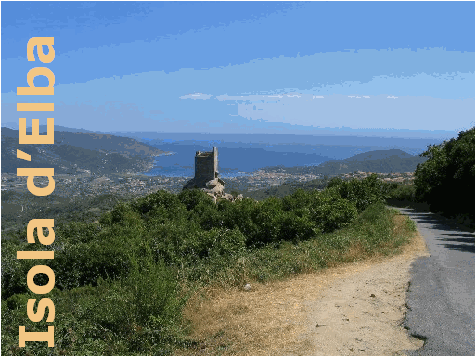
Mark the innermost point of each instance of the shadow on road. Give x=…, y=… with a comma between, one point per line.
x=454, y=235
x=462, y=242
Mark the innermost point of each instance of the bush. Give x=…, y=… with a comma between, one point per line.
x=364, y=193
x=299, y=199
x=295, y=228
x=221, y=242
x=331, y=212
x=241, y=214
x=175, y=242
x=161, y=198
x=207, y=216
x=336, y=181
x=403, y=192
x=84, y=263
x=267, y=217
x=194, y=197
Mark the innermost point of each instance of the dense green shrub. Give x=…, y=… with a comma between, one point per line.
x=140, y=314
x=295, y=228
x=207, y=216
x=446, y=180
x=403, y=192
x=13, y=271
x=161, y=198
x=333, y=213
x=83, y=264
x=192, y=198
x=364, y=192
x=241, y=214
x=123, y=214
x=175, y=241
x=221, y=242
x=267, y=218
x=299, y=199
x=336, y=181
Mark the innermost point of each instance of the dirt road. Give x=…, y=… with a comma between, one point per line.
x=354, y=309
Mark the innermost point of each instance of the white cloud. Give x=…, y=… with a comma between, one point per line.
x=348, y=112
x=197, y=96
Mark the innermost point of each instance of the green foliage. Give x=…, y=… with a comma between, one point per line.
x=446, y=180
x=333, y=213
x=411, y=224
x=121, y=283
x=159, y=199
x=241, y=214
x=137, y=315
x=402, y=192
x=364, y=193
x=267, y=218
x=194, y=197
x=300, y=198
x=295, y=228
x=336, y=181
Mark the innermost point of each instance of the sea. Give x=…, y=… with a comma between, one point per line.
x=243, y=154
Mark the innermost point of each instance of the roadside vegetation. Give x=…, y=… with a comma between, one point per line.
x=445, y=183
x=122, y=282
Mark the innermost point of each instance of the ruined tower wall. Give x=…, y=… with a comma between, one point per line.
x=215, y=161
x=206, y=164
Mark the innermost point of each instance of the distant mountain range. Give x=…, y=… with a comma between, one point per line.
x=14, y=126
x=73, y=152
x=376, y=161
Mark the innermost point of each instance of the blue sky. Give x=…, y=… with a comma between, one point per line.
x=247, y=67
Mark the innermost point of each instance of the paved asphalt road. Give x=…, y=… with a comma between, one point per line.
x=441, y=292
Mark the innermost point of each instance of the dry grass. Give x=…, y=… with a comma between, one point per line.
x=270, y=319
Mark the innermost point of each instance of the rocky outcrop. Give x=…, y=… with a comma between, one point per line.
x=223, y=196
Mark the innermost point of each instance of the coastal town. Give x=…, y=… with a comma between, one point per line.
x=134, y=185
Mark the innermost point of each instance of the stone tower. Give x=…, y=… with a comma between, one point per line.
x=206, y=164
x=206, y=171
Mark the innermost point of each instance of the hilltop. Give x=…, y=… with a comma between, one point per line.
x=376, y=161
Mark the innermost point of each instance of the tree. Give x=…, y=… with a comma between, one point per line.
x=446, y=180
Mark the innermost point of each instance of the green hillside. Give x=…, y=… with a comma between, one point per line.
x=98, y=153
x=377, y=161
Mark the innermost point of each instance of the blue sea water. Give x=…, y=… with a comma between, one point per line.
x=243, y=155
